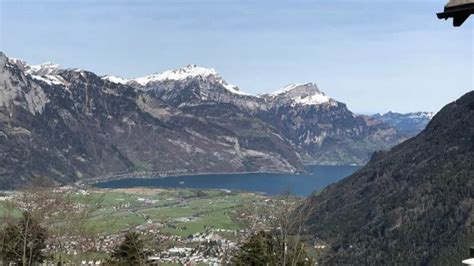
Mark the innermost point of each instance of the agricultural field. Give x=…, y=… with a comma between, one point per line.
x=178, y=224
x=176, y=212
x=179, y=212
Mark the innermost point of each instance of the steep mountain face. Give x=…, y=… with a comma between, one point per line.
x=192, y=85
x=203, y=93
x=299, y=94
x=409, y=124
x=324, y=130
x=71, y=124
x=412, y=205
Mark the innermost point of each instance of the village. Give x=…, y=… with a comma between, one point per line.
x=180, y=226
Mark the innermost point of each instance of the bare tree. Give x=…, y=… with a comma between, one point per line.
x=63, y=212
x=68, y=220
x=23, y=242
x=283, y=219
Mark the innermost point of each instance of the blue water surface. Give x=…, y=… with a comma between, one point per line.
x=317, y=178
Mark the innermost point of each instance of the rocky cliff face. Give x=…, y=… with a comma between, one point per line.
x=193, y=85
x=72, y=124
x=321, y=129
x=324, y=130
x=412, y=205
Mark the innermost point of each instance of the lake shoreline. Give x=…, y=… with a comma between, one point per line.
x=270, y=182
x=95, y=182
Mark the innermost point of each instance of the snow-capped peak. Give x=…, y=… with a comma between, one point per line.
x=178, y=74
x=16, y=90
x=16, y=61
x=189, y=71
x=116, y=79
x=45, y=72
x=412, y=115
x=47, y=68
x=303, y=94
x=286, y=89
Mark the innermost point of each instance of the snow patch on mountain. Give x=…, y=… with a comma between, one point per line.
x=285, y=89
x=412, y=115
x=45, y=72
x=50, y=79
x=47, y=68
x=181, y=74
x=300, y=94
x=13, y=88
x=410, y=123
x=294, y=94
x=312, y=99
x=189, y=71
x=115, y=79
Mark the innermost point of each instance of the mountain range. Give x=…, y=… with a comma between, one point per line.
x=409, y=123
x=71, y=124
x=412, y=205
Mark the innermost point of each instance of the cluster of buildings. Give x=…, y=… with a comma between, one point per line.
x=208, y=247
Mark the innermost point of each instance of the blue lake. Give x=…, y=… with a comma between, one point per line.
x=318, y=177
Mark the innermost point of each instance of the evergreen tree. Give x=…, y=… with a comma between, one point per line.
x=131, y=251
x=266, y=249
x=23, y=243
x=256, y=251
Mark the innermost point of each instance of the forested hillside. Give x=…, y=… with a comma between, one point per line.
x=412, y=205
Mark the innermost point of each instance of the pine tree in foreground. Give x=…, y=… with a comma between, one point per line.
x=266, y=248
x=131, y=251
x=23, y=243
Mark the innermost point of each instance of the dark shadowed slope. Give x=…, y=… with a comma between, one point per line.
x=411, y=205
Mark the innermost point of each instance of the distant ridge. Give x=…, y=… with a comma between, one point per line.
x=409, y=123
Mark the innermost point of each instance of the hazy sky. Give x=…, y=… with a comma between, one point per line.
x=374, y=55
